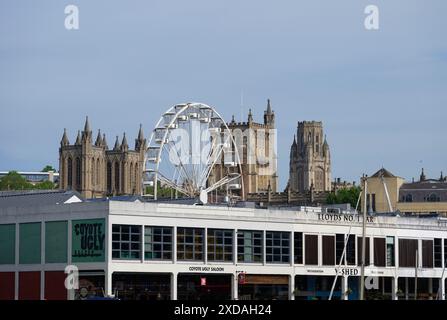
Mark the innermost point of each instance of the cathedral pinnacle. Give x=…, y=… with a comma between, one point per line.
x=64, y=141
x=124, y=145
x=78, y=139
x=98, y=142
x=117, y=145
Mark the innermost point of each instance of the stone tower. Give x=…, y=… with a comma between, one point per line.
x=257, y=149
x=95, y=171
x=310, y=159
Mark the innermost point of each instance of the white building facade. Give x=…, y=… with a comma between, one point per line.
x=154, y=250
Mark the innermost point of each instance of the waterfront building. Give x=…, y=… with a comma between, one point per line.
x=132, y=249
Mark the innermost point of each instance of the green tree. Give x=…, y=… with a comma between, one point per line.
x=14, y=181
x=45, y=185
x=48, y=168
x=163, y=192
x=345, y=195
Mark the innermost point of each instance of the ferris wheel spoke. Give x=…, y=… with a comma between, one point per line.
x=183, y=171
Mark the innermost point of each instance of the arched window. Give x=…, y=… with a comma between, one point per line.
x=408, y=198
x=137, y=179
x=109, y=177
x=117, y=176
x=98, y=178
x=433, y=198
x=93, y=173
x=131, y=177
x=69, y=173
x=78, y=174
x=319, y=179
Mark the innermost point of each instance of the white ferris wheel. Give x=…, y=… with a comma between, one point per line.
x=192, y=151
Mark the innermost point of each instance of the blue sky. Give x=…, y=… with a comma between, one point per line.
x=382, y=95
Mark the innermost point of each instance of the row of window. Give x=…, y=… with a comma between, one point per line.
x=427, y=198
x=190, y=244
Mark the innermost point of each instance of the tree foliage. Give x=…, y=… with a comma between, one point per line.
x=163, y=192
x=48, y=168
x=14, y=181
x=345, y=195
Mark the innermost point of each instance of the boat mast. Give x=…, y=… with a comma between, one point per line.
x=365, y=208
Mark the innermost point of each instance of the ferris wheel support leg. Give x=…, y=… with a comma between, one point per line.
x=155, y=187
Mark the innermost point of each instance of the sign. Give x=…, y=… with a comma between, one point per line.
x=350, y=218
x=347, y=271
x=88, y=240
x=207, y=269
x=242, y=278
x=203, y=281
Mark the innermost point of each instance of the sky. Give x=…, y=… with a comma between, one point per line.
x=381, y=94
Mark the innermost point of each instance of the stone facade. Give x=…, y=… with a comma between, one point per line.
x=258, y=159
x=95, y=171
x=426, y=196
x=310, y=159
x=307, y=198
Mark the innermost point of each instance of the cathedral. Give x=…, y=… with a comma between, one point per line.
x=258, y=159
x=96, y=171
x=310, y=159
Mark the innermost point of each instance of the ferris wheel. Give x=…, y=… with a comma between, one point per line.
x=192, y=151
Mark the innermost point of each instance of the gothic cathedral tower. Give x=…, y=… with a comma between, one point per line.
x=310, y=159
x=95, y=171
x=257, y=149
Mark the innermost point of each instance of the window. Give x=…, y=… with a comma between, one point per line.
x=445, y=251
x=220, y=245
x=407, y=253
x=93, y=176
x=339, y=247
x=371, y=202
x=249, y=246
x=328, y=250
x=359, y=251
x=408, y=198
x=70, y=174
x=126, y=242
x=311, y=249
x=350, y=250
x=190, y=243
x=277, y=246
x=432, y=198
x=98, y=170
x=427, y=253
x=117, y=177
x=379, y=252
x=390, y=252
x=78, y=174
x=438, y=253
x=157, y=243
x=298, y=247
x=109, y=177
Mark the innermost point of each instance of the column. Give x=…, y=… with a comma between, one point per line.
x=174, y=245
x=108, y=282
x=174, y=286
x=292, y=286
x=17, y=258
x=394, y=288
x=344, y=288
x=234, y=286
x=42, y=260
x=442, y=288
x=430, y=288
x=406, y=289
